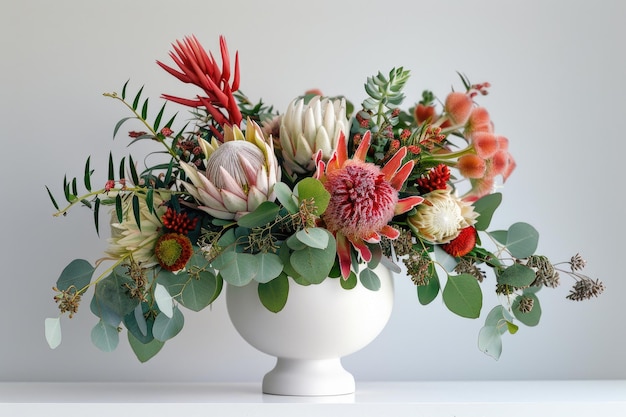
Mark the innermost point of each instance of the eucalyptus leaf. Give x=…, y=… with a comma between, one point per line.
x=427, y=293
x=76, y=274
x=144, y=351
x=112, y=293
x=285, y=197
x=485, y=207
x=522, y=240
x=270, y=267
x=200, y=291
x=314, y=264
x=139, y=325
x=52, y=327
x=490, y=341
x=237, y=268
x=369, y=279
x=462, y=295
x=312, y=189
x=499, y=236
x=264, y=214
x=165, y=328
x=517, y=275
x=350, y=282
x=532, y=317
x=273, y=294
x=105, y=337
x=163, y=300
x=314, y=237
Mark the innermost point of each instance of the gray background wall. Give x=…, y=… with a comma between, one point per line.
x=557, y=70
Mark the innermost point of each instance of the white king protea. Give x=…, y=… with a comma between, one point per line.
x=308, y=128
x=240, y=174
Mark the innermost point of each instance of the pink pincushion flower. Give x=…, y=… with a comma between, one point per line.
x=479, y=121
x=458, y=107
x=364, y=198
x=486, y=144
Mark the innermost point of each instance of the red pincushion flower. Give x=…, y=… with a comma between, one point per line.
x=173, y=250
x=462, y=244
x=364, y=198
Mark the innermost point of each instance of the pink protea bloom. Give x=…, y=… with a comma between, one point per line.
x=458, y=106
x=364, y=198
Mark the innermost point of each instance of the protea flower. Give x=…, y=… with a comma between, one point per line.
x=308, y=128
x=240, y=173
x=364, y=198
x=127, y=239
x=442, y=216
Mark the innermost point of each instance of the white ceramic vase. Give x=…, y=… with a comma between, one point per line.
x=317, y=327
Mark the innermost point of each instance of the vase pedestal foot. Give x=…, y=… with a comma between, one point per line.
x=308, y=377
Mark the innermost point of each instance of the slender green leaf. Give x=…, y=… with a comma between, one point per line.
x=54, y=203
x=273, y=294
x=53, y=332
x=111, y=168
x=157, y=121
x=137, y=211
x=150, y=200
x=105, y=337
x=124, y=89
x=137, y=97
x=96, y=215
x=122, y=169
x=74, y=187
x=87, y=178
x=119, y=124
x=119, y=211
x=133, y=170
x=462, y=295
x=66, y=188
x=144, y=110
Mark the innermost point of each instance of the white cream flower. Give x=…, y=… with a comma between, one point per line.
x=307, y=128
x=126, y=237
x=442, y=216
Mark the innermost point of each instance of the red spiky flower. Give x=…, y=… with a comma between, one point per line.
x=199, y=68
x=364, y=198
x=436, y=179
x=178, y=222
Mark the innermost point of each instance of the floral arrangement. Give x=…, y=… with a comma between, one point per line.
x=324, y=190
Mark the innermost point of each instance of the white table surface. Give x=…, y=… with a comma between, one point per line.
x=386, y=399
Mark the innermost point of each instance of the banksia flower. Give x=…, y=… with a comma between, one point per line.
x=172, y=251
x=364, y=198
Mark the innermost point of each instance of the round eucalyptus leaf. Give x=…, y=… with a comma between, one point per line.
x=522, y=240
x=462, y=295
x=105, y=337
x=490, y=341
x=165, y=328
